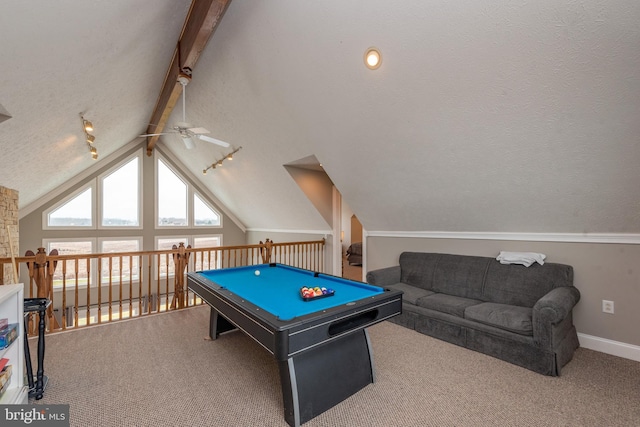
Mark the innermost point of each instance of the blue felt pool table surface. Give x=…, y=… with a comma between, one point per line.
x=277, y=288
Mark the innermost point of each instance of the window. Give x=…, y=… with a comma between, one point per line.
x=207, y=260
x=68, y=271
x=75, y=211
x=166, y=261
x=121, y=269
x=120, y=195
x=172, y=198
x=207, y=241
x=178, y=203
x=203, y=214
x=111, y=201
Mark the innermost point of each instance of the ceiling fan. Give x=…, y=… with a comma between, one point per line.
x=186, y=130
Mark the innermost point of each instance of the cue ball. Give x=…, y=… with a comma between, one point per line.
x=257, y=272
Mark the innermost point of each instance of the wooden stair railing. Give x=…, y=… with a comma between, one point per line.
x=88, y=289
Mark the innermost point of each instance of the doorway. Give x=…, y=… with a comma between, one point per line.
x=352, y=260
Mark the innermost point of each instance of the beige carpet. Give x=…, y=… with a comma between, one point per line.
x=160, y=371
x=353, y=272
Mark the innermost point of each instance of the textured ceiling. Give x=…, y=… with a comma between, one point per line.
x=509, y=116
x=104, y=58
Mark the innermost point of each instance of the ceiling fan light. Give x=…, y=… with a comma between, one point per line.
x=188, y=142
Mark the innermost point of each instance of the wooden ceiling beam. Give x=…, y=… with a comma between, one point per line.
x=202, y=20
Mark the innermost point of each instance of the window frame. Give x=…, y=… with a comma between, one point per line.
x=195, y=194
x=100, y=242
x=181, y=238
x=93, y=276
x=218, y=263
x=156, y=219
x=191, y=192
x=92, y=184
x=99, y=202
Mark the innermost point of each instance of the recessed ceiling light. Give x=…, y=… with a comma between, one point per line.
x=372, y=58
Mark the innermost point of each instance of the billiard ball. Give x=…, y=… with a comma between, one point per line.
x=257, y=272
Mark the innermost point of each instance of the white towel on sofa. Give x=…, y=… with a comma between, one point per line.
x=524, y=258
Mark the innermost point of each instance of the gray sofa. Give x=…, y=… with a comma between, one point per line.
x=519, y=314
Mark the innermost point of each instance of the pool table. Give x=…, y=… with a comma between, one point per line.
x=321, y=344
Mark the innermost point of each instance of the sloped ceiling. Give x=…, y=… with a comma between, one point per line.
x=483, y=116
x=104, y=58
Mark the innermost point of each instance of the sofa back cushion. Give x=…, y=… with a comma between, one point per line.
x=460, y=275
x=416, y=268
x=456, y=275
x=519, y=285
x=483, y=278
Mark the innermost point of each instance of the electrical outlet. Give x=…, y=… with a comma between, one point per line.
x=607, y=306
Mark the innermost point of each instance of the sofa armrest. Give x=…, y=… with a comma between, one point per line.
x=384, y=276
x=551, y=310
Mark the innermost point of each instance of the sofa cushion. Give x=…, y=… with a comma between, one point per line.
x=460, y=275
x=447, y=303
x=524, y=286
x=410, y=293
x=417, y=268
x=510, y=317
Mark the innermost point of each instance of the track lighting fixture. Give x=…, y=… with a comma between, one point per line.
x=87, y=127
x=218, y=163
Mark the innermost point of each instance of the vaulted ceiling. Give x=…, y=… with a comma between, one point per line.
x=484, y=116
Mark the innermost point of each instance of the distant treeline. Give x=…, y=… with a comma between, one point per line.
x=86, y=222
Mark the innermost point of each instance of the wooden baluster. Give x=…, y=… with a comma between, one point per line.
x=265, y=250
x=40, y=274
x=51, y=269
x=180, y=261
x=64, y=294
x=31, y=268
x=177, y=293
x=41, y=271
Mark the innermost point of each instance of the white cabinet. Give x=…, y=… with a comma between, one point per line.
x=12, y=308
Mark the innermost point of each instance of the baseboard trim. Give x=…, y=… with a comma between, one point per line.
x=615, y=348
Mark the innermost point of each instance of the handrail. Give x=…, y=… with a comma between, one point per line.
x=97, y=288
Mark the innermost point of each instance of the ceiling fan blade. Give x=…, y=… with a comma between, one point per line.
x=156, y=134
x=198, y=131
x=213, y=140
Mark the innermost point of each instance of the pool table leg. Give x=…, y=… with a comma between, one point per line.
x=319, y=378
x=218, y=324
